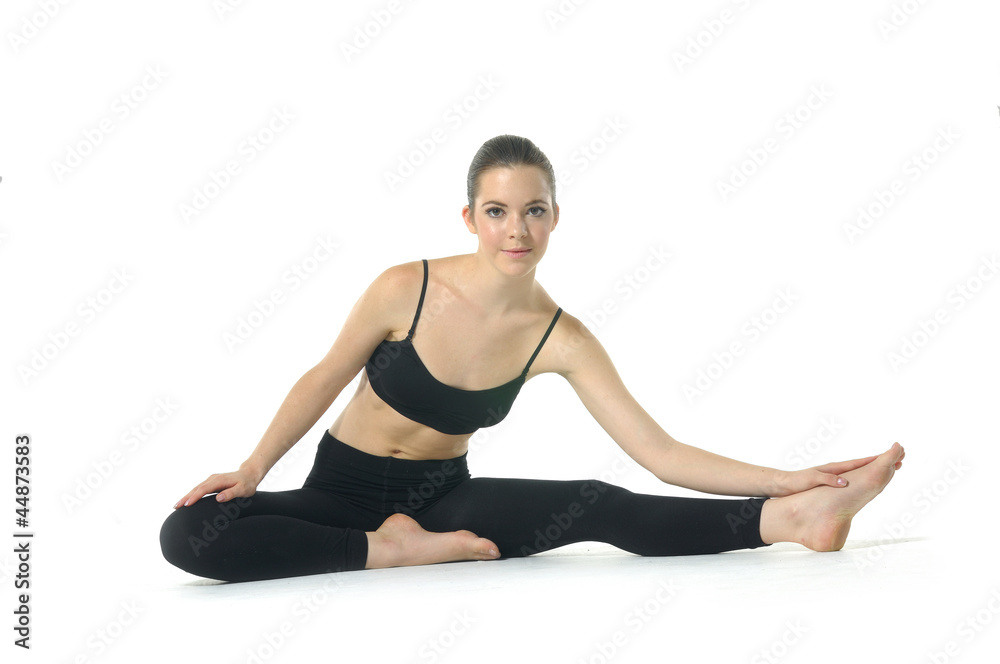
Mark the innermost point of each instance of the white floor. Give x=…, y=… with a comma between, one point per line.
x=873, y=601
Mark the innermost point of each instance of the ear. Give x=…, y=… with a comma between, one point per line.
x=469, y=223
x=555, y=219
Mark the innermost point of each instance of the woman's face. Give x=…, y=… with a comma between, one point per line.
x=513, y=217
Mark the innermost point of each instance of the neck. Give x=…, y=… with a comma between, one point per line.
x=495, y=290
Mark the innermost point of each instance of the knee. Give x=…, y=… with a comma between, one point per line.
x=599, y=492
x=173, y=538
x=189, y=531
x=181, y=534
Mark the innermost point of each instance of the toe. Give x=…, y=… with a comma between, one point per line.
x=487, y=548
x=893, y=455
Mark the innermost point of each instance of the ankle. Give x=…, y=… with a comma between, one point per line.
x=380, y=551
x=774, y=521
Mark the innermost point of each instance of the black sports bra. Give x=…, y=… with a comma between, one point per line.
x=399, y=377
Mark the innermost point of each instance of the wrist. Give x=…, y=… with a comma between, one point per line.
x=254, y=469
x=776, y=483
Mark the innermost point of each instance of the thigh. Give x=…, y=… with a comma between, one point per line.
x=272, y=534
x=312, y=505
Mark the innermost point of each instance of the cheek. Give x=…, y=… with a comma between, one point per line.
x=494, y=234
x=540, y=234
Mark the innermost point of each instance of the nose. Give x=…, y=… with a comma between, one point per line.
x=518, y=227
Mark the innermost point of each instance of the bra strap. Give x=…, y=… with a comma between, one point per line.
x=542, y=343
x=420, y=304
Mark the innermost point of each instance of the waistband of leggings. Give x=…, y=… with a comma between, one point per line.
x=342, y=455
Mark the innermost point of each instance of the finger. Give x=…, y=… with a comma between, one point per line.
x=832, y=479
x=210, y=485
x=844, y=466
x=230, y=492
x=190, y=497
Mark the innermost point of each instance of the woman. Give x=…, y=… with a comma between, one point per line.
x=440, y=342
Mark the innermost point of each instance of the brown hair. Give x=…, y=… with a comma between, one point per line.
x=507, y=151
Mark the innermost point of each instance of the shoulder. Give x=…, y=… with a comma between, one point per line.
x=396, y=284
x=388, y=301
x=571, y=346
x=401, y=275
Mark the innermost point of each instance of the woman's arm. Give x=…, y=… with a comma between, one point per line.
x=368, y=323
x=585, y=364
x=310, y=397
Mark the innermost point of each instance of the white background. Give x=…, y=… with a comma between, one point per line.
x=569, y=82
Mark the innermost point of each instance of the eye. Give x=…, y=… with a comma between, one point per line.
x=540, y=211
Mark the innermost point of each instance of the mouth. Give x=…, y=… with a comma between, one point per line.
x=516, y=253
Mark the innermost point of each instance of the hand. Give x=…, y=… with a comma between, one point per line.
x=239, y=484
x=794, y=481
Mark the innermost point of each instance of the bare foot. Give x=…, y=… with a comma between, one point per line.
x=400, y=541
x=820, y=518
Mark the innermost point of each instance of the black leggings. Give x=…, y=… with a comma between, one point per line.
x=321, y=527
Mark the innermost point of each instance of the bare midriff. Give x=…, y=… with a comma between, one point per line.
x=369, y=424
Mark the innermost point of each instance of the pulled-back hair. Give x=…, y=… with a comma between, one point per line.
x=507, y=151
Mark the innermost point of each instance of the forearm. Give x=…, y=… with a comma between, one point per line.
x=306, y=402
x=694, y=468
